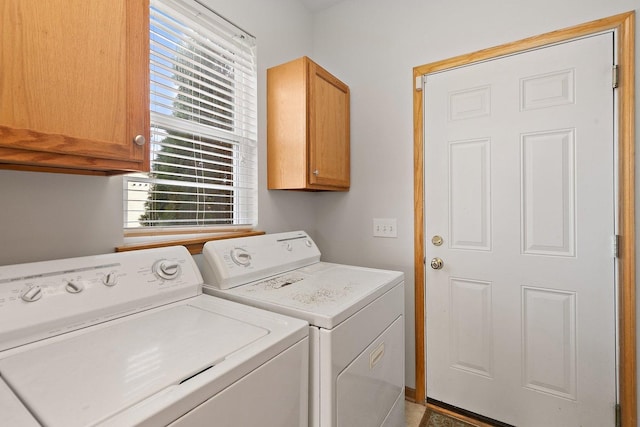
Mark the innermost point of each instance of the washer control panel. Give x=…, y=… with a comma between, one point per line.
x=43, y=299
x=234, y=262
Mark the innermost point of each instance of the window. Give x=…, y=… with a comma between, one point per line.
x=203, y=150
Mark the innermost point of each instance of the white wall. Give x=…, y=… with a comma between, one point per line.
x=46, y=216
x=373, y=46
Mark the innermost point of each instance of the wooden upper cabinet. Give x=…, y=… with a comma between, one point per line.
x=307, y=128
x=74, y=85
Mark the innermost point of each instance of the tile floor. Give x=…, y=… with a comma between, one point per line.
x=413, y=413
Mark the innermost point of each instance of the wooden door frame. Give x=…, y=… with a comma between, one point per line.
x=624, y=24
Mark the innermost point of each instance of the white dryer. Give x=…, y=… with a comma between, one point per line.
x=356, y=318
x=128, y=339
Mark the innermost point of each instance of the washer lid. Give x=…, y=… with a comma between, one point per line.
x=323, y=294
x=90, y=377
x=12, y=412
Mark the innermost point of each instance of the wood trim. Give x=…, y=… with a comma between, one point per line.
x=56, y=162
x=193, y=244
x=138, y=80
x=604, y=24
x=626, y=164
x=175, y=231
x=418, y=243
x=624, y=24
x=410, y=395
x=34, y=141
x=29, y=168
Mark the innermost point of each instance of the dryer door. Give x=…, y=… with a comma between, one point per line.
x=368, y=388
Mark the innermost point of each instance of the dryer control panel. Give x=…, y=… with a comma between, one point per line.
x=43, y=299
x=233, y=262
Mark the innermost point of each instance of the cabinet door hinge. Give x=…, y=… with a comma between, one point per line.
x=615, y=245
x=618, y=416
x=615, y=76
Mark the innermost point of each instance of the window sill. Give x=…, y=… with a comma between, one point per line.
x=193, y=244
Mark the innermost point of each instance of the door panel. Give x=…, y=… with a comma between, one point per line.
x=469, y=194
x=549, y=341
x=548, y=196
x=519, y=183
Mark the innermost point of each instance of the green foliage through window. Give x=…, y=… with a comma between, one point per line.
x=203, y=118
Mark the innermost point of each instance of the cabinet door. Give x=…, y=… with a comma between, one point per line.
x=74, y=83
x=328, y=129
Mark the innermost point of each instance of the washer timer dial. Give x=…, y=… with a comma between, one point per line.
x=166, y=269
x=241, y=257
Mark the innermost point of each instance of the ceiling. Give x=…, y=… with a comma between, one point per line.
x=317, y=5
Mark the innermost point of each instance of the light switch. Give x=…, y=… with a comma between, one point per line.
x=385, y=227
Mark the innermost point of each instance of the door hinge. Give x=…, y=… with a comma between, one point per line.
x=615, y=245
x=420, y=80
x=615, y=76
x=618, y=416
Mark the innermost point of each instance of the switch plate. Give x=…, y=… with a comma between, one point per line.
x=385, y=227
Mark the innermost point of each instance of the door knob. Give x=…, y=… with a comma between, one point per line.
x=436, y=263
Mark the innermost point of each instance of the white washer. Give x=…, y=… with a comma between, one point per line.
x=356, y=318
x=128, y=339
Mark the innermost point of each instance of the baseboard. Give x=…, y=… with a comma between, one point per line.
x=410, y=394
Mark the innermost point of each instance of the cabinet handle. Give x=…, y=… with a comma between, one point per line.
x=140, y=140
x=316, y=172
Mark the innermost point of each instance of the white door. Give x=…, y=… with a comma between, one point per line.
x=519, y=186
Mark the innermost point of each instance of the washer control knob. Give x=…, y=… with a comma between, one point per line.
x=73, y=287
x=109, y=279
x=308, y=243
x=32, y=293
x=241, y=257
x=166, y=269
x=289, y=247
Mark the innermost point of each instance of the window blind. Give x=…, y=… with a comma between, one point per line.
x=203, y=150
